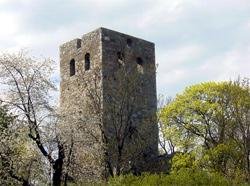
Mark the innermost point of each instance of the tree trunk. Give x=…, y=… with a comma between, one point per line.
x=26, y=183
x=248, y=165
x=119, y=160
x=57, y=174
x=58, y=166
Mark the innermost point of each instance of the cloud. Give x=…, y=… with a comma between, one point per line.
x=174, y=65
x=168, y=12
x=14, y=1
x=195, y=40
x=228, y=65
x=9, y=24
x=176, y=57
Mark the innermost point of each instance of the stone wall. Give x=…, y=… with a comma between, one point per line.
x=123, y=76
x=74, y=104
x=118, y=90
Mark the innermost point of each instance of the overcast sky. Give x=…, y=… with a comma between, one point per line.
x=196, y=40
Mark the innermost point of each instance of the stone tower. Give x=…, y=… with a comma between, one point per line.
x=108, y=91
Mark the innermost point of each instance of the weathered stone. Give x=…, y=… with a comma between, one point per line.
x=109, y=51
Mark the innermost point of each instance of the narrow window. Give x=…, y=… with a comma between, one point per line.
x=78, y=43
x=72, y=67
x=129, y=42
x=87, y=62
x=139, y=62
x=120, y=57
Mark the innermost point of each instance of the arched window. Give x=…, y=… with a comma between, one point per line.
x=87, y=62
x=72, y=68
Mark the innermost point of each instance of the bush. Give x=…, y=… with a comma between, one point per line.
x=182, y=177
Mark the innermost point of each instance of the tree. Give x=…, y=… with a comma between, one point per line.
x=8, y=152
x=128, y=133
x=18, y=159
x=26, y=87
x=166, y=134
x=213, y=120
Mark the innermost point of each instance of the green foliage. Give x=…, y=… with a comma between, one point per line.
x=17, y=156
x=5, y=137
x=209, y=124
x=183, y=160
x=5, y=119
x=182, y=177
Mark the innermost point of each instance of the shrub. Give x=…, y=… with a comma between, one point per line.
x=182, y=177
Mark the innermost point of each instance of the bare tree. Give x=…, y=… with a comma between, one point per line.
x=117, y=114
x=165, y=139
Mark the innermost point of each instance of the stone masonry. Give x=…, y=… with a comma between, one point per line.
x=108, y=87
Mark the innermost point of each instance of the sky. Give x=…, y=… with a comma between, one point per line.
x=195, y=40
